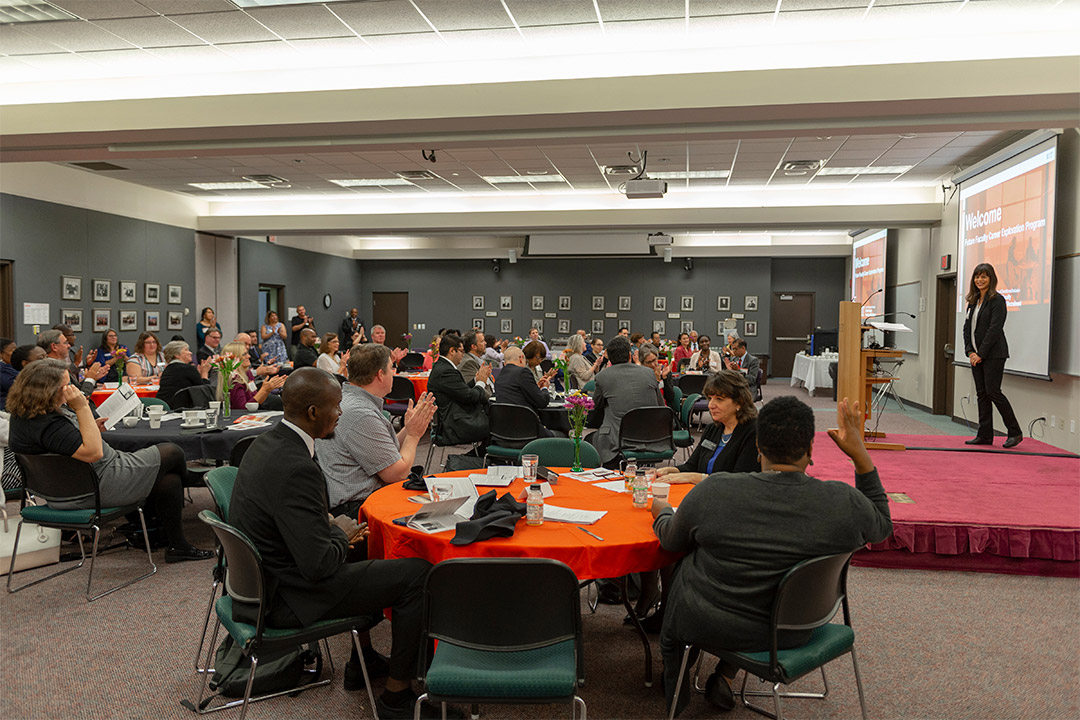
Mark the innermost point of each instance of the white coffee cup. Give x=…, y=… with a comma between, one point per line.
x=130, y=422
x=252, y=406
x=155, y=422
x=215, y=405
x=660, y=490
x=191, y=417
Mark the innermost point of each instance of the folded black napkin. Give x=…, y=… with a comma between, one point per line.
x=490, y=518
x=415, y=482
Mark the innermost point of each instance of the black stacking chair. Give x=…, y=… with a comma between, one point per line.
x=411, y=362
x=239, y=449
x=647, y=426
x=512, y=427
x=197, y=397
x=397, y=400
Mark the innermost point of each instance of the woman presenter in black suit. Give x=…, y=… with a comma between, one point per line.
x=986, y=348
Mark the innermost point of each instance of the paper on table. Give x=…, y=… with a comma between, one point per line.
x=120, y=403
x=463, y=487
x=572, y=515
x=889, y=327
x=593, y=475
x=618, y=486
x=438, y=517
x=247, y=425
x=497, y=476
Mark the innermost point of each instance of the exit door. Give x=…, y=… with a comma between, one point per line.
x=391, y=310
x=944, y=332
x=792, y=323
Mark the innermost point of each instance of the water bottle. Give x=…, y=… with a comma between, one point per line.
x=534, y=506
x=629, y=472
x=641, y=491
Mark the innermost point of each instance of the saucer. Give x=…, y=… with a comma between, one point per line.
x=191, y=425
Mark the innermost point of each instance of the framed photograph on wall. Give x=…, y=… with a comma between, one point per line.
x=686, y=326
x=659, y=303
x=624, y=324
x=564, y=327
x=129, y=319
x=506, y=326
x=537, y=302
x=750, y=304
x=477, y=302
x=127, y=291
x=175, y=320
x=723, y=303
x=153, y=320
x=478, y=323
x=750, y=328
x=686, y=303
x=597, y=302
x=597, y=327
x=658, y=326
x=102, y=319
x=102, y=290
x=564, y=302
x=176, y=294
x=624, y=303
x=70, y=288
x=152, y=293
x=537, y=323
x=506, y=302
x=72, y=317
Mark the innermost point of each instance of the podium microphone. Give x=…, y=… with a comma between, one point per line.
x=870, y=296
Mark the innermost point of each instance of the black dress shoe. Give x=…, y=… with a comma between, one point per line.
x=378, y=666
x=718, y=693
x=175, y=555
x=978, y=441
x=1012, y=441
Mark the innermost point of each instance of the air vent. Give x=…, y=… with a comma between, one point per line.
x=622, y=170
x=265, y=179
x=416, y=175
x=98, y=166
x=802, y=165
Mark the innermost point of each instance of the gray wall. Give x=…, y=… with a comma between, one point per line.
x=307, y=276
x=46, y=240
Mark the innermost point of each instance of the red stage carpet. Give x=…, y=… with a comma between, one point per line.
x=992, y=512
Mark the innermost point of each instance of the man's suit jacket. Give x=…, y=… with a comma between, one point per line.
x=750, y=365
x=517, y=385
x=345, y=332
x=989, y=338
x=620, y=389
x=279, y=503
x=462, y=406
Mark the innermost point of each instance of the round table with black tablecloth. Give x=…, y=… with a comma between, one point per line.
x=196, y=443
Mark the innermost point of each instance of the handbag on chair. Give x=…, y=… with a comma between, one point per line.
x=38, y=546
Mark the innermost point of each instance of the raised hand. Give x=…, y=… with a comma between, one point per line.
x=849, y=436
x=96, y=371
x=418, y=416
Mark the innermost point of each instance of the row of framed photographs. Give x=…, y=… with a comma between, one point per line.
x=506, y=326
x=660, y=304
x=71, y=289
x=128, y=320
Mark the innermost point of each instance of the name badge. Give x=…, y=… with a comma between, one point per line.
x=708, y=444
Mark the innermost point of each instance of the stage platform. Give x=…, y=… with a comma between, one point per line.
x=1008, y=511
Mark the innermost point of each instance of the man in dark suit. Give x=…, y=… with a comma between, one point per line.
x=517, y=385
x=474, y=343
x=351, y=325
x=462, y=405
x=306, y=355
x=621, y=388
x=742, y=361
x=212, y=346
x=279, y=503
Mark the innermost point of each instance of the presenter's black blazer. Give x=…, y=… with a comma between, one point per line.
x=989, y=336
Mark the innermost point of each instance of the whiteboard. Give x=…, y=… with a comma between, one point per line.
x=904, y=298
x=1065, y=335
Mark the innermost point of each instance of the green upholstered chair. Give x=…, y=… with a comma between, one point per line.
x=512, y=427
x=682, y=437
x=807, y=598
x=56, y=478
x=588, y=387
x=559, y=452
x=245, y=582
x=220, y=481
x=647, y=426
x=151, y=401
x=496, y=643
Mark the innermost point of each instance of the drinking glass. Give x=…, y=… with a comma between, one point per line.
x=211, y=415
x=529, y=464
x=441, y=491
x=650, y=478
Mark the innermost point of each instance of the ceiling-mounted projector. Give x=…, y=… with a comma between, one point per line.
x=645, y=188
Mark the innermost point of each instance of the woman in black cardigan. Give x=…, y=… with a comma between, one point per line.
x=986, y=348
x=730, y=443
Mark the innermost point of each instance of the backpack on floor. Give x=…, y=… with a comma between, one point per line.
x=275, y=672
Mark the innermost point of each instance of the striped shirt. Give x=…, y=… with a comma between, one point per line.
x=364, y=444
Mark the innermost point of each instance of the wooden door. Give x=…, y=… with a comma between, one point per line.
x=7, y=300
x=792, y=323
x=391, y=310
x=944, y=352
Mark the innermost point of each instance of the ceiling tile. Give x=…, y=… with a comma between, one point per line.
x=103, y=9
x=301, y=21
x=342, y=49
x=493, y=41
x=77, y=35
x=14, y=41
x=731, y=7
x=796, y=5
x=230, y=27
x=552, y=12
x=176, y=7
x=616, y=10
x=548, y=36
x=465, y=14
x=122, y=59
x=382, y=17
x=150, y=32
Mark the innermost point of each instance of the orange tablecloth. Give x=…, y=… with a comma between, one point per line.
x=101, y=395
x=419, y=383
x=629, y=544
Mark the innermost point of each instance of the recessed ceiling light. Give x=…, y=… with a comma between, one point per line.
x=691, y=175
x=371, y=182
x=802, y=165
x=622, y=170
x=16, y=11
x=501, y=179
x=870, y=170
x=536, y=172
x=907, y=136
x=416, y=174
x=228, y=185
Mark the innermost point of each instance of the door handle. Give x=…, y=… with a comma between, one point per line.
x=948, y=350
x=805, y=338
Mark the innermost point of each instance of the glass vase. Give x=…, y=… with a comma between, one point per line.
x=226, y=405
x=577, y=454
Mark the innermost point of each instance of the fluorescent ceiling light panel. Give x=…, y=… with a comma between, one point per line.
x=496, y=179
x=228, y=186
x=868, y=170
x=691, y=175
x=16, y=11
x=371, y=182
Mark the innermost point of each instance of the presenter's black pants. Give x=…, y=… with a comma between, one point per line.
x=988, y=392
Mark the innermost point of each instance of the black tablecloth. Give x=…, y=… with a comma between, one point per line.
x=214, y=445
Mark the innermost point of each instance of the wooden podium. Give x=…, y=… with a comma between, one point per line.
x=855, y=377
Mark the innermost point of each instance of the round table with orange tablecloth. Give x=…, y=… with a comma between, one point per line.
x=419, y=381
x=102, y=393
x=628, y=544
